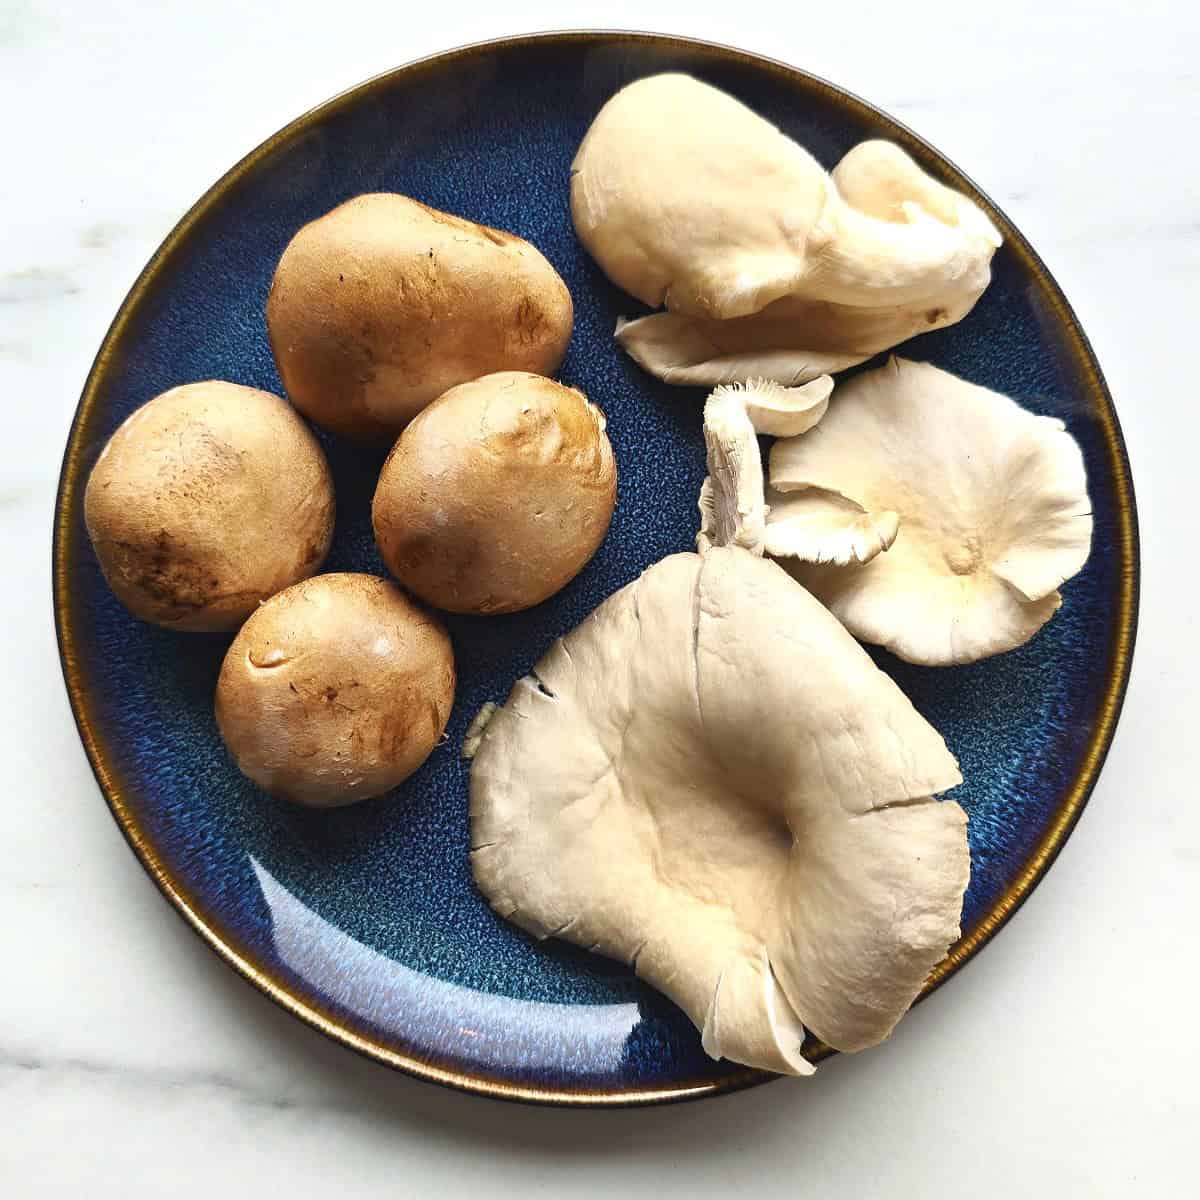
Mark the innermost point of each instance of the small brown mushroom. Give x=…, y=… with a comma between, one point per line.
x=206, y=501
x=497, y=495
x=382, y=304
x=335, y=690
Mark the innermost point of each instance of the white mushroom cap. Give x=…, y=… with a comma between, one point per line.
x=779, y=411
x=880, y=180
x=767, y=265
x=821, y=526
x=710, y=780
x=993, y=512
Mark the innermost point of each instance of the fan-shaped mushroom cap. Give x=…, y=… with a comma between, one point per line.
x=993, y=512
x=710, y=780
x=767, y=265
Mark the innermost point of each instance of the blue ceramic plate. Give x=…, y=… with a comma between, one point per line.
x=365, y=922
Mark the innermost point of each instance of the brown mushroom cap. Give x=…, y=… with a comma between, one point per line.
x=496, y=495
x=335, y=690
x=382, y=304
x=206, y=501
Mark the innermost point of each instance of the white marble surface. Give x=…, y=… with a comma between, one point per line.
x=1062, y=1063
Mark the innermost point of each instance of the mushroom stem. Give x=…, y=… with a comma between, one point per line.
x=735, y=484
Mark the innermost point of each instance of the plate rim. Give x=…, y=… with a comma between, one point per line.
x=1040, y=859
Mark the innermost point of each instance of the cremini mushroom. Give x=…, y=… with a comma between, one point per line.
x=497, y=494
x=992, y=504
x=335, y=690
x=767, y=265
x=383, y=304
x=208, y=500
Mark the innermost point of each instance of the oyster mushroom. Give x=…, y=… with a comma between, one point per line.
x=710, y=780
x=767, y=265
x=735, y=513
x=819, y=525
x=732, y=511
x=814, y=525
x=993, y=511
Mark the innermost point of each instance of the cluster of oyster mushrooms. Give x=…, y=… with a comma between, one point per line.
x=709, y=779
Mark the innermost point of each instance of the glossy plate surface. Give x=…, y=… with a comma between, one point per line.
x=365, y=922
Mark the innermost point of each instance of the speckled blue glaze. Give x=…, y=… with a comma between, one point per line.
x=369, y=915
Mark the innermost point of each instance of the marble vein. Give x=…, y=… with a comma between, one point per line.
x=36, y=284
x=229, y=1087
